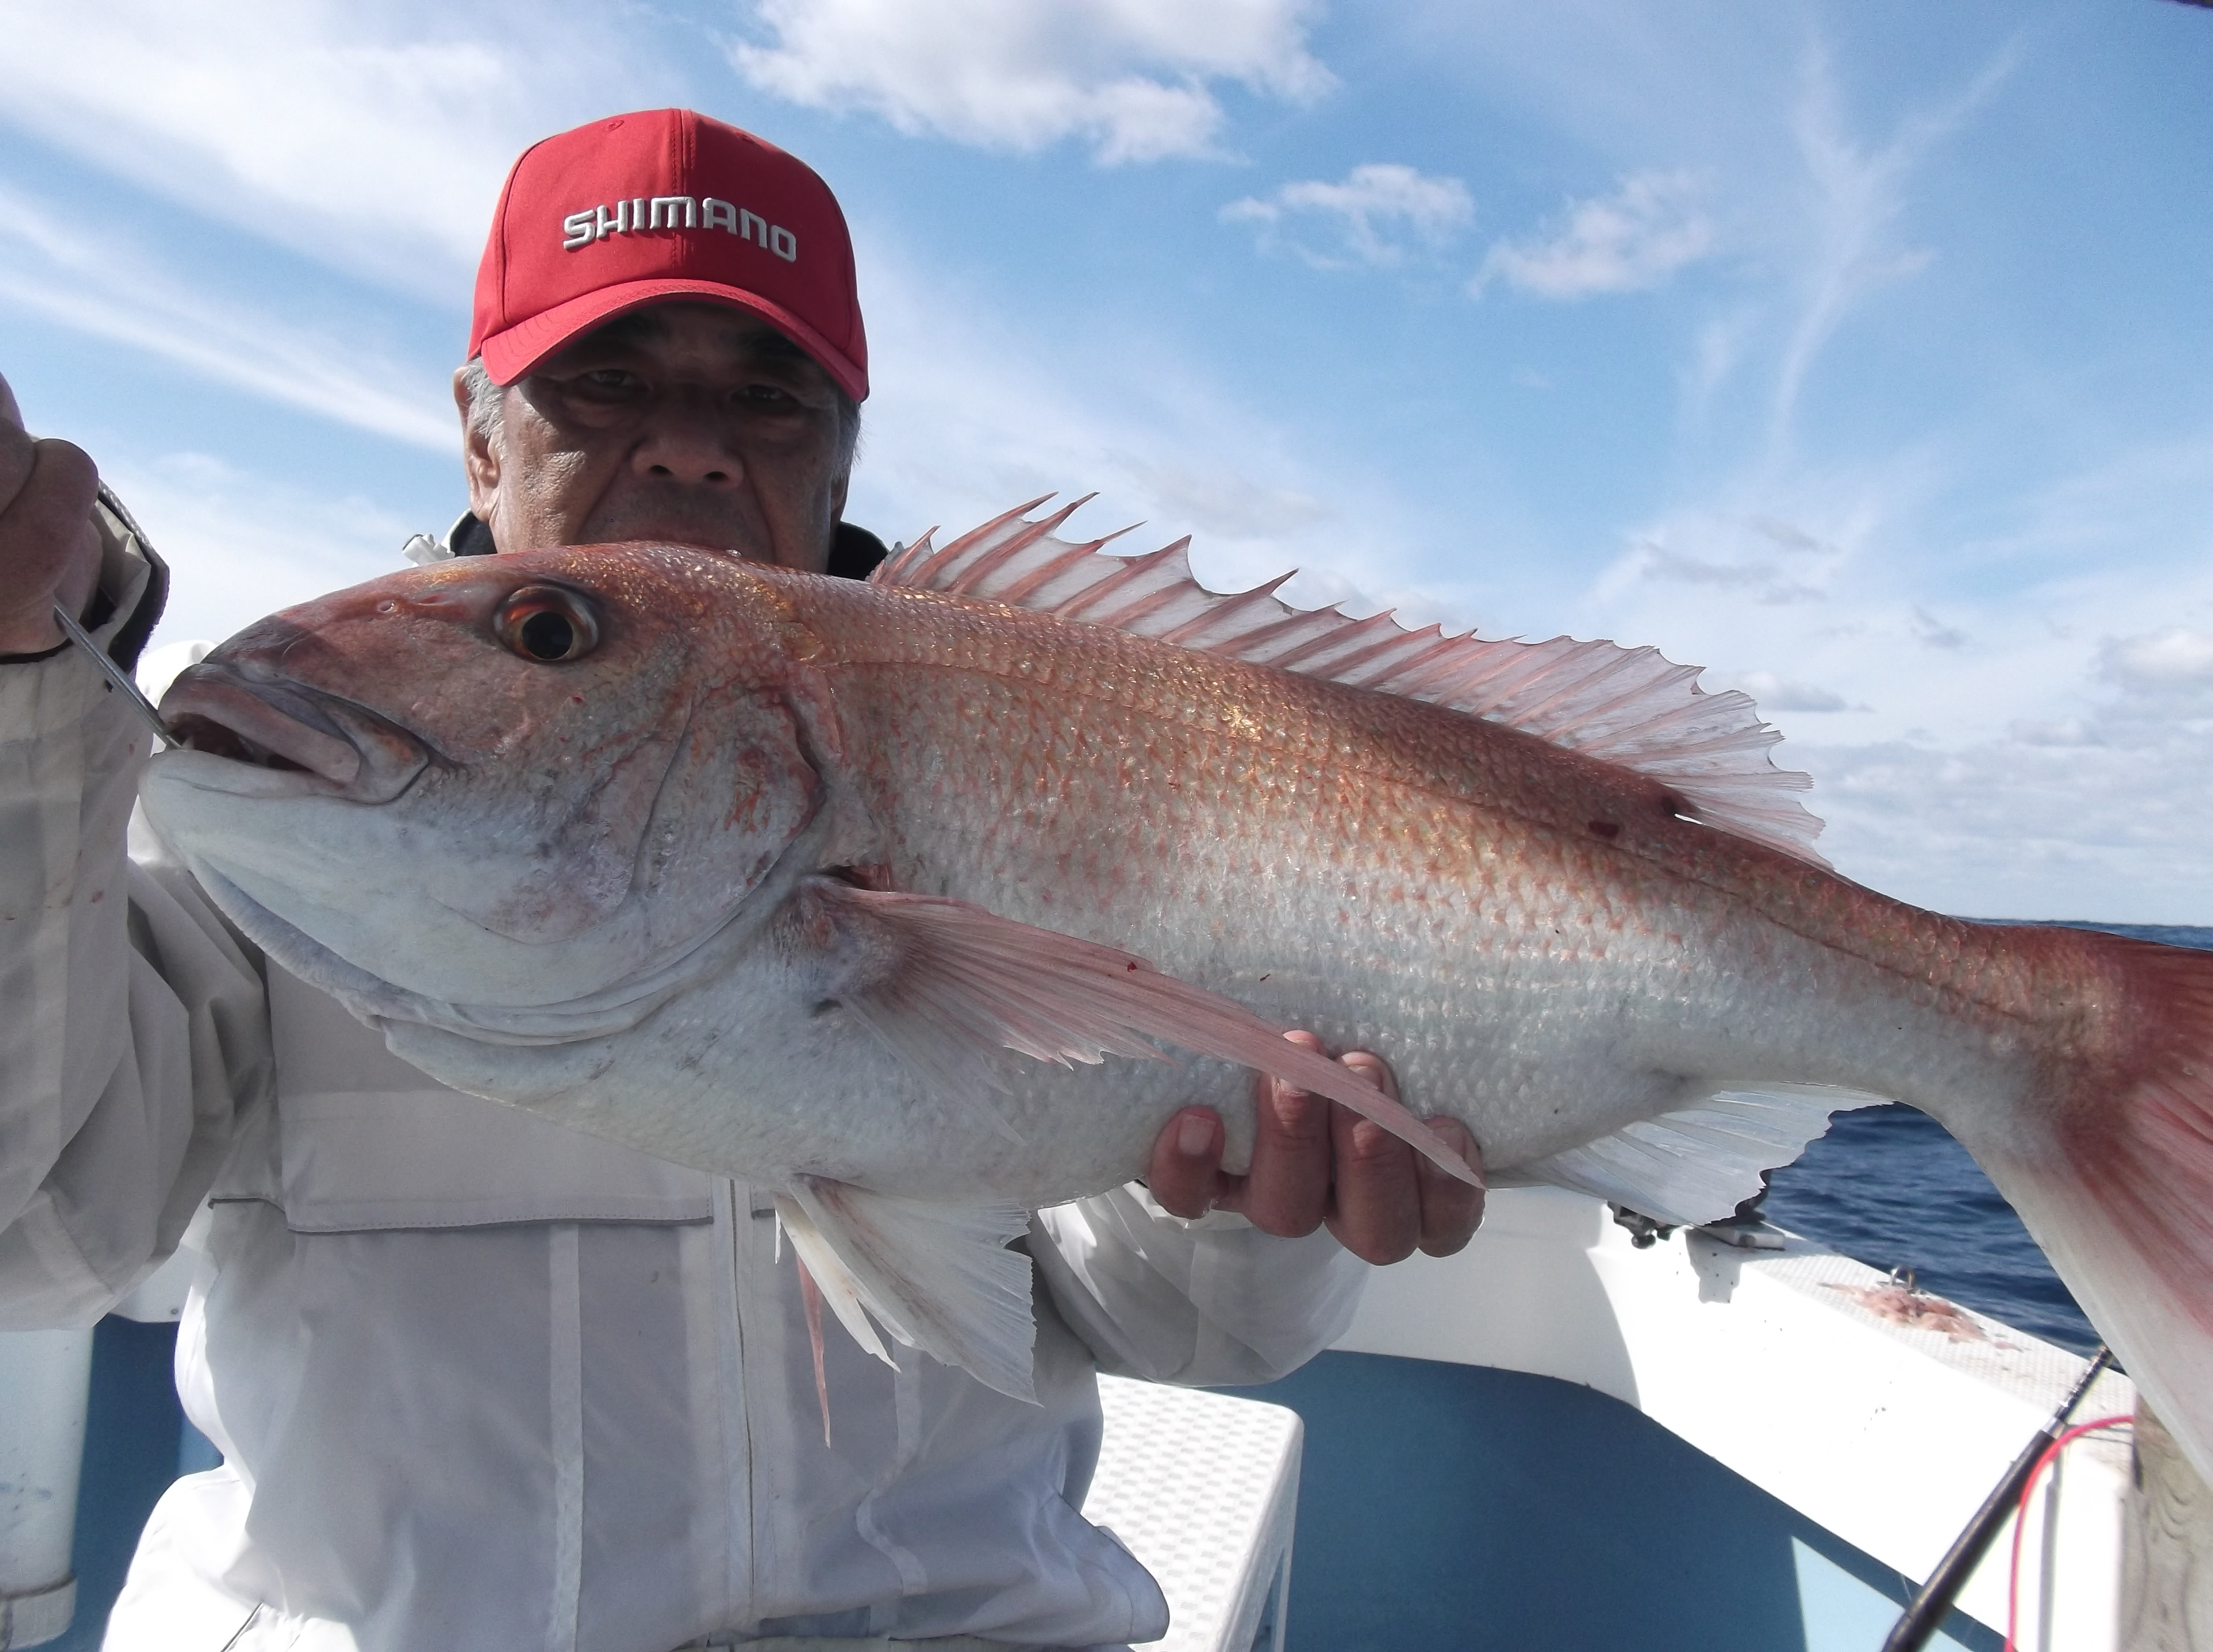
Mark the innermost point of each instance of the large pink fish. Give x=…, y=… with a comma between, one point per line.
x=846, y=890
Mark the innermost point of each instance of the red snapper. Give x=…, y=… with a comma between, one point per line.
x=889, y=897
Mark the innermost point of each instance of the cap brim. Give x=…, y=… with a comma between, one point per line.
x=508, y=355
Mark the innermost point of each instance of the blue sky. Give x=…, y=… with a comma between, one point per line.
x=1857, y=351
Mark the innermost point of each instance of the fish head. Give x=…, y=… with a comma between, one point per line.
x=507, y=781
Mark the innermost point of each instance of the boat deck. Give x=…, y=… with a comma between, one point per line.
x=1460, y=1509
x=1443, y=1508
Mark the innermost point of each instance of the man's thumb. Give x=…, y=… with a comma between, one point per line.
x=43, y=527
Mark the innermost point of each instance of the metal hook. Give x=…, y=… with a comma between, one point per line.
x=117, y=676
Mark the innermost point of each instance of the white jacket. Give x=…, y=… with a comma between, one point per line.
x=479, y=1382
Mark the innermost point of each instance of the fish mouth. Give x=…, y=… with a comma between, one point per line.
x=250, y=716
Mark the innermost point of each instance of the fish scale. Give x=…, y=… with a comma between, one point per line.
x=992, y=768
x=879, y=896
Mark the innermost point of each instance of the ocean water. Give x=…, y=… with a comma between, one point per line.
x=1888, y=1186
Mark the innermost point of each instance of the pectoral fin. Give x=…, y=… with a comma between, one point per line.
x=939, y=1276
x=949, y=984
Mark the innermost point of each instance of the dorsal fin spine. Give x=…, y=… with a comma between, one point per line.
x=1148, y=600
x=893, y=569
x=1083, y=605
x=1319, y=643
x=1022, y=590
x=1383, y=660
x=1255, y=645
x=1192, y=630
x=978, y=536
x=1544, y=707
x=1013, y=545
x=945, y=562
x=1631, y=707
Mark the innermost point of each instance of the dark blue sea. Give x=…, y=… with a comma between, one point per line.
x=1888, y=1186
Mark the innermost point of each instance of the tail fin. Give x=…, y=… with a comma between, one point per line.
x=2113, y=1175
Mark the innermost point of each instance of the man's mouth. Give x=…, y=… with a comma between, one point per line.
x=663, y=520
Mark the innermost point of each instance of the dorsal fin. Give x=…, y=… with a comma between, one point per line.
x=1624, y=705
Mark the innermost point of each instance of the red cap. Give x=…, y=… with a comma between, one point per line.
x=665, y=203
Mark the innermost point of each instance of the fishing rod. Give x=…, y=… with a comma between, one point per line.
x=118, y=678
x=1926, y=1611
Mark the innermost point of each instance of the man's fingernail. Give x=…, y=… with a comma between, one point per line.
x=1459, y=1138
x=1194, y=1135
x=1373, y=1069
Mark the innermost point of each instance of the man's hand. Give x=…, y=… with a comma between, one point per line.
x=49, y=547
x=1314, y=1161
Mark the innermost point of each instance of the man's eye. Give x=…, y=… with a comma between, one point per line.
x=603, y=386
x=772, y=396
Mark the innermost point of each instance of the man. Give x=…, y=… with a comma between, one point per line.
x=478, y=1381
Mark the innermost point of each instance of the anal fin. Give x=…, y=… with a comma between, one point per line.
x=1697, y=1163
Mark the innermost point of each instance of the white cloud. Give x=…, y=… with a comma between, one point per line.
x=2062, y=731
x=2033, y=747
x=1855, y=192
x=1134, y=78
x=2102, y=810
x=2014, y=828
x=1223, y=503
x=241, y=546
x=1769, y=559
x=1935, y=633
x=1632, y=240
x=1776, y=693
x=2004, y=692
x=1789, y=535
x=371, y=138
x=103, y=286
x=1366, y=218
x=2160, y=662
x=1163, y=442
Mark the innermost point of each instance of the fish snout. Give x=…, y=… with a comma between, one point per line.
x=243, y=711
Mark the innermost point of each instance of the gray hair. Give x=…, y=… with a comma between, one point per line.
x=487, y=405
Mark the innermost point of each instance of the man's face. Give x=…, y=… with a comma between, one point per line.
x=684, y=422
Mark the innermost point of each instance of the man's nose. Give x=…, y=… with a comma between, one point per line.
x=684, y=442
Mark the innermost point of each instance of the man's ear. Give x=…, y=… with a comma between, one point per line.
x=480, y=457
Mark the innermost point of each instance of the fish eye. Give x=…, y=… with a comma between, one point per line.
x=548, y=624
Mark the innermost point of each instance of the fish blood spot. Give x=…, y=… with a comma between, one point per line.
x=1608, y=830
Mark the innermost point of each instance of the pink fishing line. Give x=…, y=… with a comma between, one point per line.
x=2020, y=1514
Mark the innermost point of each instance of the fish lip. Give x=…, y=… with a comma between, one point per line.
x=252, y=718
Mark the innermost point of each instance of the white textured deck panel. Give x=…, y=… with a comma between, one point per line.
x=1889, y=1436
x=1203, y=1489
